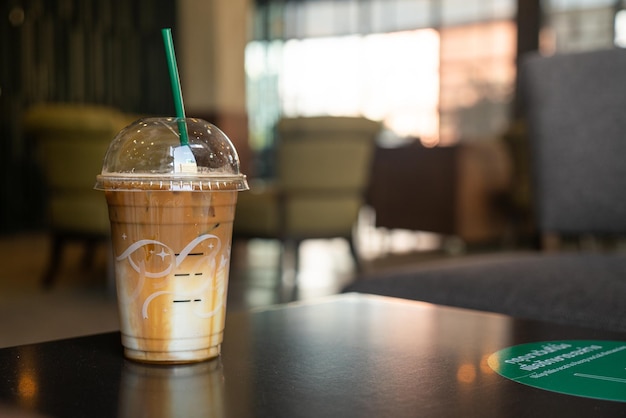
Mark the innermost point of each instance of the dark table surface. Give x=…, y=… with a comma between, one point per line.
x=342, y=356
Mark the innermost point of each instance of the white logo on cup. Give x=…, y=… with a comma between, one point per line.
x=177, y=260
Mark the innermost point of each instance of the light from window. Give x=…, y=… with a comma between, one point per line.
x=392, y=77
x=620, y=28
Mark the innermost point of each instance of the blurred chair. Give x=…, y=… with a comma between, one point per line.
x=71, y=141
x=577, y=131
x=322, y=166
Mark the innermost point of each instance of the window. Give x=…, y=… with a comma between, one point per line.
x=579, y=25
x=442, y=71
x=391, y=77
x=477, y=80
x=620, y=29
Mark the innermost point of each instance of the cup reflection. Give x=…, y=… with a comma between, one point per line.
x=190, y=390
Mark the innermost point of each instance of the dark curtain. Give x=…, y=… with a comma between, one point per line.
x=81, y=51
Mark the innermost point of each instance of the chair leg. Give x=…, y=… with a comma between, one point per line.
x=296, y=255
x=89, y=254
x=110, y=269
x=288, y=260
x=355, y=255
x=56, y=252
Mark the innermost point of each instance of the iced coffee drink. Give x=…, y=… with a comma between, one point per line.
x=171, y=227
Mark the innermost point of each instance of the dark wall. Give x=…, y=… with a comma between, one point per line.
x=83, y=51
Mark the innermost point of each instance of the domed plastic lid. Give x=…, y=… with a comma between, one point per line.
x=148, y=155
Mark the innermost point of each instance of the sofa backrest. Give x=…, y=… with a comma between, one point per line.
x=576, y=108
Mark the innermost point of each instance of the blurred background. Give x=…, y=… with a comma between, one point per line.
x=439, y=75
x=443, y=71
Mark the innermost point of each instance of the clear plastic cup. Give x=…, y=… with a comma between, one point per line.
x=171, y=208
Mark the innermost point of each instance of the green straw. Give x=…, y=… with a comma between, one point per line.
x=176, y=89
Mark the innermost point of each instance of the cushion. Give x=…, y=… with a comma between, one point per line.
x=584, y=289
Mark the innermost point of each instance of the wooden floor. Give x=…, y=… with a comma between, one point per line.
x=83, y=301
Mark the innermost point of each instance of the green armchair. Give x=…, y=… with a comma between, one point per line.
x=323, y=165
x=71, y=141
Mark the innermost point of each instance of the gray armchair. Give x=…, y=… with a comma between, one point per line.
x=577, y=131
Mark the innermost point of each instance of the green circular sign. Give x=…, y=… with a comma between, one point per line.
x=592, y=369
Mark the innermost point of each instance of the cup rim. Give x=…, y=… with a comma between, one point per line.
x=197, y=182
